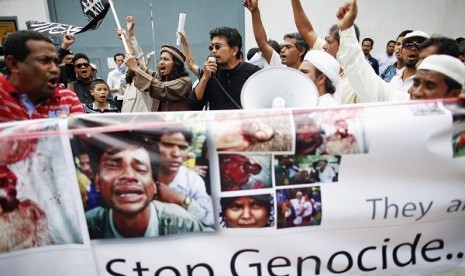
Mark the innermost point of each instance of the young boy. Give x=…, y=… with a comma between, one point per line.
x=100, y=90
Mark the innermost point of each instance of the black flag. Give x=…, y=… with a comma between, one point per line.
x=95, y=11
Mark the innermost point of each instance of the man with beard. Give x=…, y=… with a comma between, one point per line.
x=392, y=69
x=403, y=80
x=22, y=223
x=29, y=90
x=437, y=76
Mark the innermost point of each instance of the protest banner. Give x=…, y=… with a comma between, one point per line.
x=366, y=189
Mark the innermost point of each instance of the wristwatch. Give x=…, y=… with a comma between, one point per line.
x=187, y=202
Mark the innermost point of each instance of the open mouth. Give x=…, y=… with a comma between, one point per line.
x=128, y=194
x=53, y=82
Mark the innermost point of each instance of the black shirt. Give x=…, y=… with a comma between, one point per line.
x=231, y=80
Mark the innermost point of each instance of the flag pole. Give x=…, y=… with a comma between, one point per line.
x=125, y=44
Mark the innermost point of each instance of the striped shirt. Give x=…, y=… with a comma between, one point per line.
x=14, y=107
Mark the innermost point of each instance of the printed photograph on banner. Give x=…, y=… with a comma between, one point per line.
x=265, y=131
x=458, y=128
x=299, y=207
x=293, y=169
x=244, y=172
x=330, y=132
x=36, y=205
x=458, y=135
x=144, y=182
x=247, y=211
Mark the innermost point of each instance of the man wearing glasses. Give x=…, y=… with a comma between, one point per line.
x=403, y=80
x=224, y=73
x=84, y=77
x=29, y=90
x=439, y=75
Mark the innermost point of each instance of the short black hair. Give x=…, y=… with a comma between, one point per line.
x=445, y=45
x=390, y=41
x=275, y=45
x=370, y=40
x=232, y=35
x=300, y=43
x=251, y=52
x=117, y=55
x=15, y=44
x=334, y=30
x=97, y=144
x=98, y=81
x=404, y=33
x=80, y=55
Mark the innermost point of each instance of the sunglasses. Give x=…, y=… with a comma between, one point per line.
x=217, y=46
x=81, y=65
x=410, y=44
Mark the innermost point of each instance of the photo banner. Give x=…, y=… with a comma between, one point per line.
x=366, y=189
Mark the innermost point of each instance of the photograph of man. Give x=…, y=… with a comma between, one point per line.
x=299, y=207
x=248, y=211
x=244, y=172
x=126, y=169
x=458, y=134
x=23, y=224
x=251, y=132
x=177, y=183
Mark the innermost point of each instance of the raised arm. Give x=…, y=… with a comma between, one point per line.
x=259, y=30
x=369, y=86
x=191, y=65
x=303, y=24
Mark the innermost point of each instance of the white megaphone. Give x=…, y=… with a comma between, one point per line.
x=279, y=87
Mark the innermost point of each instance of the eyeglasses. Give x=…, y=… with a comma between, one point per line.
x=217, y=46
x=82, y=65
x=409, y=44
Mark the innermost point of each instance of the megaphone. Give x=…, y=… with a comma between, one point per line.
x=279, y=87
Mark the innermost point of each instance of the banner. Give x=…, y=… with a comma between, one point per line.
x=361, y=189
x=94, y=10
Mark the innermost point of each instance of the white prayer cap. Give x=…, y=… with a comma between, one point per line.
x=93, y=66
x=326, y=63
x=416, y=34
x=446, y=65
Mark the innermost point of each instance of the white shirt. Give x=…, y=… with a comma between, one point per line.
x=191, y=184
x=114, y=79
x=397, y=82
x=384, y=61
x=369, y=86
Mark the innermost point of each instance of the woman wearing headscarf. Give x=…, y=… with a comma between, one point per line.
x=170, y=84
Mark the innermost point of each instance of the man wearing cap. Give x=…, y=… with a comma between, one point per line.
x=170, y=84
x=323, y=69
x=410, y=54
x=447, y=73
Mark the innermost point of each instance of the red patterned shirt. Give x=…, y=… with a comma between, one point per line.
x=12, y=108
